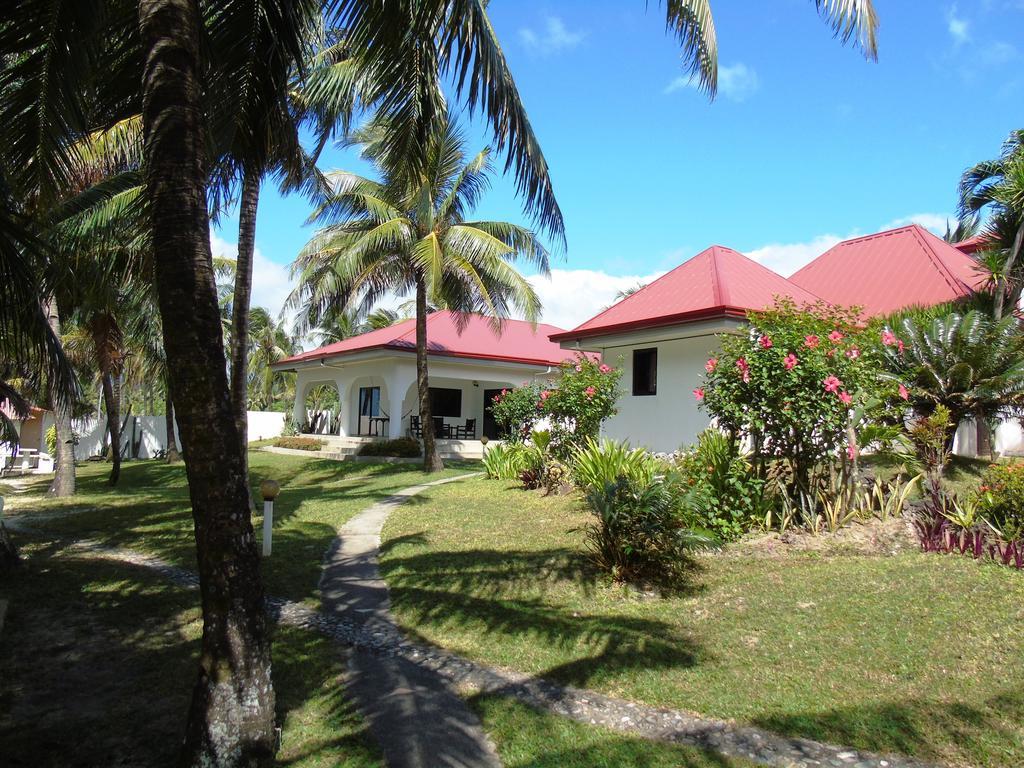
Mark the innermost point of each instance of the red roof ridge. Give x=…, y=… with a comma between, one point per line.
x=925, y=237
x=718, y=289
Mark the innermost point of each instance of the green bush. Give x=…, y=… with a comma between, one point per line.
x=728, y=497
x=1002, y=499
x=516, y=411
x=401, y=447
x=596, y=465
x=51, y=440
x=644, y=531
x=299, y=443
x=583, y=396
x=505, y=461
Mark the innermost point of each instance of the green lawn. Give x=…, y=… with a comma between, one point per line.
x=98, y=662
x=914, y=653
x=149, y=510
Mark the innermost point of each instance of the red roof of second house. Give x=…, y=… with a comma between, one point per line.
x=716, y=282
x=972, y=244
x=891, y=270
x=518, y=341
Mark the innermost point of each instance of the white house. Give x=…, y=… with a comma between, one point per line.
x=663, y=334
x=469, y=363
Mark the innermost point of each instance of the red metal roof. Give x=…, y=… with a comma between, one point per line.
x=891, y=270
x=971, y=244
x=717, y=282
x=518, y=342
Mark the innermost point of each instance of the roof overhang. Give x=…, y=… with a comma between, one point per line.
x=402, y=351
x=714, y=313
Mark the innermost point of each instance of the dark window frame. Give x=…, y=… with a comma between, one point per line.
x=645, y=384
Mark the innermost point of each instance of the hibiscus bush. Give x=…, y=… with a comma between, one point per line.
x=517, y=410
x=583, y=396
x=796, y=380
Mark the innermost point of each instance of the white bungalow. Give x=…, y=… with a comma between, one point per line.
x=375, y=375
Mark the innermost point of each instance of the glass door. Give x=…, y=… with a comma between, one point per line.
x=369, y=411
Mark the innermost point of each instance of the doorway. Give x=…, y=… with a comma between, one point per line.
x=369, y=411
x=490, y=426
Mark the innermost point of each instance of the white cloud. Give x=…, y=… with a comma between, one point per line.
x=554, y=37
x=736, y=82
x=787, y=258
x=571, y=296
x=270, y=281
x=959, y=28
x=936, y=222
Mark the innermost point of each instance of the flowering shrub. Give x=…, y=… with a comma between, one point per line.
x=516, y=411
x=793, y=381
x=582, y=397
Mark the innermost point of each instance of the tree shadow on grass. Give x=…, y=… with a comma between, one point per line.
x=477, y=589
x=988, y=732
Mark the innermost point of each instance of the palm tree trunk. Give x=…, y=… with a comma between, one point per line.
x=1018, y=240
x=240, y=305
x=9, y=558
x=64, y=479
x=110, y=400
x=431, y=459
x=231, y=716
x=172, y=445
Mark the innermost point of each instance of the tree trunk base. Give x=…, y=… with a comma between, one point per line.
x=9, y=558
x=173, y=457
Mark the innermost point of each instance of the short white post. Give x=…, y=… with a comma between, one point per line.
x=268, y=490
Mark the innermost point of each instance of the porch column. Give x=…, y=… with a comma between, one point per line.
x=344, y=386
x=398, y=382
x=299, y=408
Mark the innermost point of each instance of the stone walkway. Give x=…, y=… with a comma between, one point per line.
x=363, y=624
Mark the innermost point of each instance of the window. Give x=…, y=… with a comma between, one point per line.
x=645, y=371
x=445, y=402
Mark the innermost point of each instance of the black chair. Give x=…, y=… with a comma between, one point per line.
x=440, y=428
x=467, y=431
x=415, y=430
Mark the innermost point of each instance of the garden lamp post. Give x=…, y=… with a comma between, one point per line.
x=269, y=489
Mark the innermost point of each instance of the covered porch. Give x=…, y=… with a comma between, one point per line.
x=377, y=398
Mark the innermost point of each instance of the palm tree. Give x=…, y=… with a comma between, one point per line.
x=269, y=342
x=969, y=363
x=997, y=187
x=394, y=235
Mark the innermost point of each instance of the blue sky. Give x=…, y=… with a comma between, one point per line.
x=806, y=143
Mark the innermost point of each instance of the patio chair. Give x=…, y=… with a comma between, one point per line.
x=467, y=431
x=415, y=430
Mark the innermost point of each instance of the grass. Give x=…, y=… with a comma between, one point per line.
x=149, y=510
x=91, y=645
x=526, y=738
x=913, y=653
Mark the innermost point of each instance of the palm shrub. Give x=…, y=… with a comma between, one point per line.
x=597, y=465
x=643, y=531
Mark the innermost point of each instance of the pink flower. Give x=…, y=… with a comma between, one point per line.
x=888, y=338
x=832, y=384
x=830, y=353
x=746, y=377
x=765, y=342
x=711, y=364
x=853, y=353
x=605, y=368
x=811, y=341
x=579, y=368
x=904, y=392
x=744, y=369
x=590, y=391
x=900, y=346
x=790, y=362
x=851, y=451
x=845, y=397
x=835, y=336
x=545, y=394
x=699, y=393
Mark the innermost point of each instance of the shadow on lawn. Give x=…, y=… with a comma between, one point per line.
x=974, y=733
x=472, y=588
x=99, y=660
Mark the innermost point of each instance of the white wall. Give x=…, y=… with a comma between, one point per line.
x=671, y=418
x=1009, y=439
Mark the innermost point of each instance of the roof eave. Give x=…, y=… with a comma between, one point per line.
x=712, y=313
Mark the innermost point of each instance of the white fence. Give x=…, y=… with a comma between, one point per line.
x=150, y=432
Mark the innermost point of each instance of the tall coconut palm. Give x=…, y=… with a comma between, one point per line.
x=401, y=235
x=269, y=342
x=996, y=187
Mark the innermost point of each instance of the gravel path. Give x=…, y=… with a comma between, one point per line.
x=394, y=679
